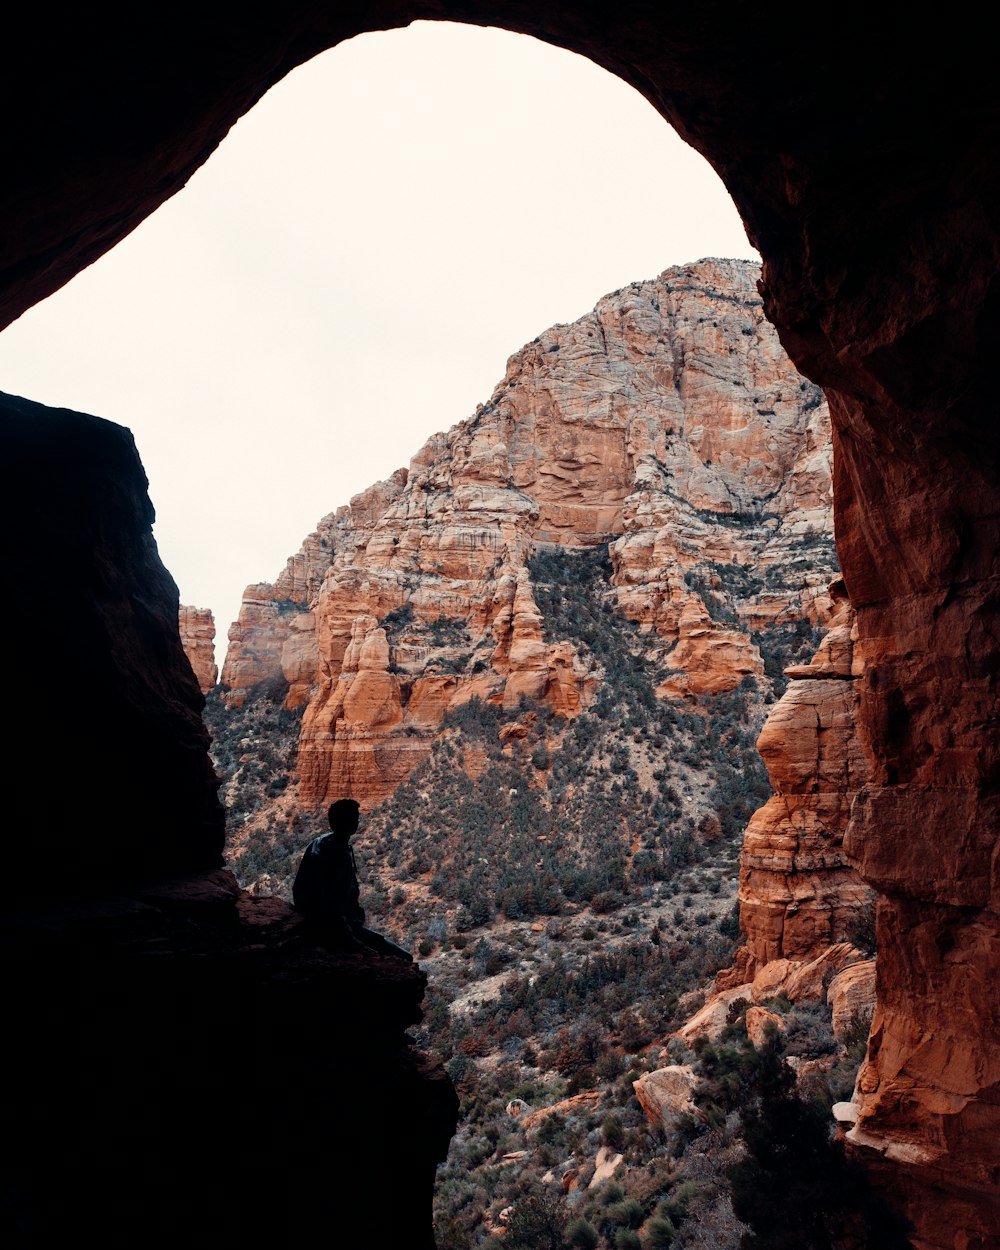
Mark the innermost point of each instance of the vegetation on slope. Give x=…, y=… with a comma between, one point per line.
x=570, y=888
x=523, y=815
x=254, y=748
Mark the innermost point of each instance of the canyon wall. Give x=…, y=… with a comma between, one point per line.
x=799, y=892
x=668, y=423
x=924, y=825
x=866, y=168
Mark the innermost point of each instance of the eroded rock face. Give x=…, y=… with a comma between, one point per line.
x=839, y=975
x=667, y=422
x=197, y=626
x=762, y=1024
x=799, y=892
x=851, y=996
x=925, y=826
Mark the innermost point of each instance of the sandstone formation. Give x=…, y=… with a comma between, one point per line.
x=667, y=422
x=840, y=975
x=761, y=1024
x=565, y=1107
x=713, y=1016
x=867, y=173
x=852, y=996
x=197, y=626
x=805, y=980
x=667, y=1094
x=799, y=893
x=605, y=1166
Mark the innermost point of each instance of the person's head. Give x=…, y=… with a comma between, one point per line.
x=343, y=817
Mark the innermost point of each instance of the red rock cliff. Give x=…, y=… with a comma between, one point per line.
x=799, y=892
x=668, y=421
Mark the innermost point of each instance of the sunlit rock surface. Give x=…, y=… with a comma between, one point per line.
x=668, y=422
x=197, y=626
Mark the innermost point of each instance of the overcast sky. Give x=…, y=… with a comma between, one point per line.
x=349, y=273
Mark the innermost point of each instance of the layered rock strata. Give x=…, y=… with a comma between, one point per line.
x=197, y=626
x=799, y=892
x=667, y=423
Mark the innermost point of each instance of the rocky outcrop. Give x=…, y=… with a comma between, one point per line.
x=839, y=975
x=666, y=422
x=197, y=626
x=762, y=1024
x=195, y=978
x=606, y=1164
x=713, y=1016
x=109, y=731
x=117, y=912
x=799, y=892
x=274, y=637
x=801, y=898
x=565, y=1107
x=852, y=997
x=667, y=1094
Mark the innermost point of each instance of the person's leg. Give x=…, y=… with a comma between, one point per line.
x=383, y=946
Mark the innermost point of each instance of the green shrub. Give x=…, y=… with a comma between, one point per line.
x=628, y=1213
x=658, y=1233
x=794, y=1187
x=861, y=930
x=582, y=1234
x=536, y=1223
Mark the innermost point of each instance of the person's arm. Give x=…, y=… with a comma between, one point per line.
x=304, y=891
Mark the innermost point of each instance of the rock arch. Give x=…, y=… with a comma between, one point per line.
x=863, y=160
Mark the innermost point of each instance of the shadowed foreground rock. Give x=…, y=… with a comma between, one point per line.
x=188, y=1067
x=181, y=1061
x=107, y=752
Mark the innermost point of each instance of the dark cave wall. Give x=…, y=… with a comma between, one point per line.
x=863, y=157
x=108, y=771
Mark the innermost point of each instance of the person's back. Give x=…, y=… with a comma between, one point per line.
x=326, y=884
x=326, y=889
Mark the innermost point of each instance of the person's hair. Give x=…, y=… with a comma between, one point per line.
x=343, y=816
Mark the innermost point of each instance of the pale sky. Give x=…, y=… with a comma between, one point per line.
x=349, y=273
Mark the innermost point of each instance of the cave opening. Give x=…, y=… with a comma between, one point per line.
x=865, y=165
x=348, y=273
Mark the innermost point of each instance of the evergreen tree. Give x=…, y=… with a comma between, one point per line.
x=795, y=1187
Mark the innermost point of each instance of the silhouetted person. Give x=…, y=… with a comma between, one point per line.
x=326, y=889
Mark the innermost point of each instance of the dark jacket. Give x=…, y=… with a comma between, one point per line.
x=326, y=884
